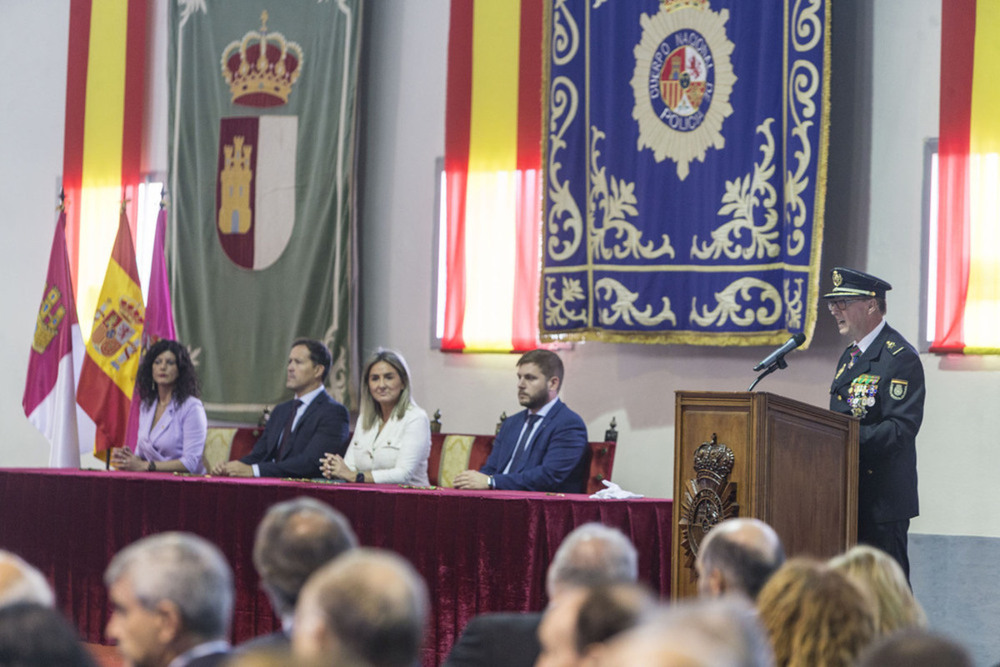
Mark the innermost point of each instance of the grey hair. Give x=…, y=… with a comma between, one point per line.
x=369, y=411
x=184, y=569
x=295, y=538
x=27, y=584
x=591, y=555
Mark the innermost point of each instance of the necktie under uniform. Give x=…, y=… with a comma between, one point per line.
x=855, y=353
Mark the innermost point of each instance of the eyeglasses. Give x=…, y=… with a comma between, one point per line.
x=841, y=304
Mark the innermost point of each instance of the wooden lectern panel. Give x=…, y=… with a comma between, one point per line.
x=793, y=465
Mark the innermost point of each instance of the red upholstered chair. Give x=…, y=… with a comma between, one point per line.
x=601, y=456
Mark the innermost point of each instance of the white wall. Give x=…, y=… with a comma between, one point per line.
x=403, y=135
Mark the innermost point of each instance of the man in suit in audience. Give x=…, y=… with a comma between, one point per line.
x=541, y=448
x=171, y=602
x=367, y=608
x=299, y=431
x=738, y=556
x=879, y=380
x=295, y=539
x=591, y=555
x=22, y=582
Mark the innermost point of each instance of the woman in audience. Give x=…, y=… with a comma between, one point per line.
x=815, y=616
x=172, y=422
x=880, y=574
x=392, y=438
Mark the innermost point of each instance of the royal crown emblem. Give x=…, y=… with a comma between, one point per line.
x=50, y=314
x=262, y=67
x=838, y=279
x=709, y=499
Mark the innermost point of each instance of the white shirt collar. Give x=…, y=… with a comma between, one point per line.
x=308, y=398
x=545, y=409
x=865, y=342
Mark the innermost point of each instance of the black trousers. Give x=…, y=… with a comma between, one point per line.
x=890, y=537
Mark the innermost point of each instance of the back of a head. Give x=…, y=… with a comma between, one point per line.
x=296, y=538
x=185, y=569
x=592, y=555
x=21, y=582
x=371, y=604
x=880, y=574
x=33, y=635
x=915, y=647
x=607, y=611
x=815, y=615
x=718, y=632
x=746, y=551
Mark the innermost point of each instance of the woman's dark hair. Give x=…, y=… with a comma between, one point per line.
x=187, y=379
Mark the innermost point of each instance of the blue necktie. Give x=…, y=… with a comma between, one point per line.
x=520, y=452
x=286, y=435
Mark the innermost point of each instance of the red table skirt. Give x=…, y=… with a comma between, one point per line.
x=477, y=551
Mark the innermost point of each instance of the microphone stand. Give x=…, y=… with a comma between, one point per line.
x=778, y=363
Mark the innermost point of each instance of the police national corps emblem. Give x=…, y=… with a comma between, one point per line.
x=709, y=499
x=682, y=81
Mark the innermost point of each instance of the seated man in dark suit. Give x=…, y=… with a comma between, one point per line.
x=299, y=431
x=541, y=448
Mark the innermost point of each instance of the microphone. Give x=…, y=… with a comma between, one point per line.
x=789, y=345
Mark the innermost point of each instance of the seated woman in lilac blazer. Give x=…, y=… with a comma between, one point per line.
x=172, y=422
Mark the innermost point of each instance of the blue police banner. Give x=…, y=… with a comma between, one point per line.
x=685, y=170
x=262, y=149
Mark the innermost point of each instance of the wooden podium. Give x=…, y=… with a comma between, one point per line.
x=759, y=455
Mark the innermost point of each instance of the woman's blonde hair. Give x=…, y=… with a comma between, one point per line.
x=815, y=615
x=879, y=573
x=370, y=413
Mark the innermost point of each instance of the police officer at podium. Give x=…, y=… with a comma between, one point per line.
x=880, y=380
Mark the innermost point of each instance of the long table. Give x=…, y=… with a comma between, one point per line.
x=477, y=551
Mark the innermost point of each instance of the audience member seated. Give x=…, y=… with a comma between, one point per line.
x=915, y=647
x=367, y=608
x=171, y=599
x=301, y=431
x=541, y=448
x=737, y=557
x=37, y=635
x=816, y=615
x=577, y=625
x=172, y=422
x=295, y=539
x=392, y=439
x=22, y=582
x=718, y=632
x=591, y=555
x=880, y=574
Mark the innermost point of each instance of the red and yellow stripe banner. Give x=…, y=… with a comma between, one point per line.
x=105, y=90
x=968, y=263
x=492, y=174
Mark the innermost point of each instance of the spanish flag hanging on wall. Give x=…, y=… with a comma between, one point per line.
x=492, y=174
x=105, y=88
x=112, y=361
x=968, y=265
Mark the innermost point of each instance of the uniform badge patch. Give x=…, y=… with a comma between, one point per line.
x=897, y=388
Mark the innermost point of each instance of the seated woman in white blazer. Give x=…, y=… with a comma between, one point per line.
x=392, y=438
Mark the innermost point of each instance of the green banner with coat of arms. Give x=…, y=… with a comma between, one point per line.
x=262, y=152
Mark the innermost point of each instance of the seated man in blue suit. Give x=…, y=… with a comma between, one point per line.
x=541, y=448
x=299, y=431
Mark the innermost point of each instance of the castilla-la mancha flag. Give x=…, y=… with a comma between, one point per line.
x=112, y=360
x=55, y=360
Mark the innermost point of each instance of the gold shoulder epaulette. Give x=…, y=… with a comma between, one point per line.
x=894, y=347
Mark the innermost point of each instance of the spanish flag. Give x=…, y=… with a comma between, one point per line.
x=493, y=137
x=105, y=89
x=112, y=360
x=968, y=241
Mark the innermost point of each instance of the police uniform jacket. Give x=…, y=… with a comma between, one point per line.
x=890, y=377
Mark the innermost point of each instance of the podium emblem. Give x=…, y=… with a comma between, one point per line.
x=709, y=499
